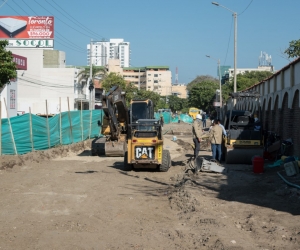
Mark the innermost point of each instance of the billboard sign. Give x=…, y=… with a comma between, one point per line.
x=21, y=61
x=27, y=27
x=28, y=43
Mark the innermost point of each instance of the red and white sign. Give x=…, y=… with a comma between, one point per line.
x=27, y=27
x=21, y=61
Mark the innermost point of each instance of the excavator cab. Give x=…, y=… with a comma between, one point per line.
x=145, y=146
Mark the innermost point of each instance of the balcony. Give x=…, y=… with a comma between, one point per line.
x=80, y=97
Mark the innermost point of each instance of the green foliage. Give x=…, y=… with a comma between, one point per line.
x=157, y=100
x=202, y=95
x=177, y=104
x=114, y=79
x=199, y=79
x=96, y=71
x=8, y=67
x=294, y=49
x=244, y=81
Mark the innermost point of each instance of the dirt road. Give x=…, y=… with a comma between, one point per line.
x=64, y=198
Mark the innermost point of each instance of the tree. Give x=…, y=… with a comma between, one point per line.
x=8, y=69
x=294, y=49
x=96, y=71
x=202, y=95
x=199, y=79
x=114, y=79
x=158, y=101
x=178, y=104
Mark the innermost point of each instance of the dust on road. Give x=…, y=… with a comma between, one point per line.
x=63, y=198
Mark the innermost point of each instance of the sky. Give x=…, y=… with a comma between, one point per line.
x=174, y=33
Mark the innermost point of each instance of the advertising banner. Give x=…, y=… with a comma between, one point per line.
x=27, y=27
x=27, y=43
x=21, y=61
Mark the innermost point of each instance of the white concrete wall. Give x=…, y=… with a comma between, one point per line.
x=38, y=84
x=12, y=108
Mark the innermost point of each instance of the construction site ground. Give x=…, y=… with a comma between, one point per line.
x=63, y=198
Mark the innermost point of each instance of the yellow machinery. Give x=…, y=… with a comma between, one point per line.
x=193, y=112
x=134, y=133
x=114, y=126
x=145, y=139
x=244, y=135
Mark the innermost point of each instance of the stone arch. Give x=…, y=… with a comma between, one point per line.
x=263, y=113
x=276, y=116
x=285, y=116
x=295, y=122
x=293, y=94
x=268, y=115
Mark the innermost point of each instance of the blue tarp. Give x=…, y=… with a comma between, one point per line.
x=67, y=128
x=169, y=118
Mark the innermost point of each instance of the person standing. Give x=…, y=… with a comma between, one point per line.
x=162, y=119
x=204, y=120
x=197, y=132
x=215, y=135
x=223, y=129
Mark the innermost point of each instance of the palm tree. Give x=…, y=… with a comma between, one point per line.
x=84, y=74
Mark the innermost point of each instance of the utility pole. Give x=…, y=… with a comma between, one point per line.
x=91, y=79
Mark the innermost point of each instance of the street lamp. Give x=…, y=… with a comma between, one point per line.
x=235, y=42
x=218, y=61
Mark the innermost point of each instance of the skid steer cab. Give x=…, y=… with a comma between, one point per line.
x=145, y=146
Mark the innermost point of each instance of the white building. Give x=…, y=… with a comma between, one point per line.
x=243, y=70
x=46, y=78
x=102, y=51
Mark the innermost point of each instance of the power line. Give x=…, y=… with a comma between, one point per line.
x=76, y=47
x=63, y=21
x=45, y=84
x=18, y=6
x=246, y=8
x=83, y=27
x=228, y=42
x=29, y=7
x=3, y=3
x=13, y=9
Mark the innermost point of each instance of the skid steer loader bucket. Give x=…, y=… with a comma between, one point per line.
x=203, y=165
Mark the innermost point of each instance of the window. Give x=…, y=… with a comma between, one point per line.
x=155, y=75
x=149, y=80
x=155, y=81
x=12, y=99
x=149, y=74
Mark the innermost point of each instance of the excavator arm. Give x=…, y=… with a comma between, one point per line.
x=116, y=112
x=116, y=115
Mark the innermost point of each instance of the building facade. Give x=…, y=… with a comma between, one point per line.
x=101, y=51
x=243, y=70
x=153, y=78
x=179, y=90
x=46, y=78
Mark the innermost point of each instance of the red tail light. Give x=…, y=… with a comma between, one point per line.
x=154, y=141
x=134, y=140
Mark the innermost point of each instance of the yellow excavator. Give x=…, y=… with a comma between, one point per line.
x=133, y=133
x=114, y=125
x=244, y=135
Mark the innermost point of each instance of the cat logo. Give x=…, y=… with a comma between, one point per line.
x=144, y=153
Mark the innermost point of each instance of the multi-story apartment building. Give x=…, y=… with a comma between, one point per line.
x=179, y=90
x=102, y=51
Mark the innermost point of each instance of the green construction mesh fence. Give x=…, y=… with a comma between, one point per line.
x=23, y=134
x=169, y=118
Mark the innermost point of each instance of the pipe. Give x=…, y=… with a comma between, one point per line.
x=287, y=182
